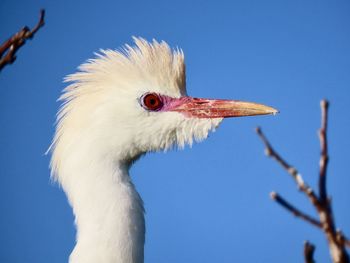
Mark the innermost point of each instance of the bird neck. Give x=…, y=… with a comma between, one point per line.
x=108, y=211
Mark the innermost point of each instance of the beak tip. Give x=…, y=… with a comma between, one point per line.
x=270, y=110
x=275, y=112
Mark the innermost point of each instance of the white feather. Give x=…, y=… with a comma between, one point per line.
x=102, y=129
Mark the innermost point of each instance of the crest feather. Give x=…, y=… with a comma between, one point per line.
x=150, y=64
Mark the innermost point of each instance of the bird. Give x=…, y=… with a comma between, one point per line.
x=117, y=107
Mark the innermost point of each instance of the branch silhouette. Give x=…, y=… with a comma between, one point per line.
x=309, y=250
x=322, y=202
x=9, y=48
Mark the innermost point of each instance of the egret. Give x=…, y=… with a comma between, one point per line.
x=117, y=107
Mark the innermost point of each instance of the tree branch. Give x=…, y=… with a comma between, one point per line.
x=324, y=151
x=302, y=186
x=295, y=211
x=9, y=48
x=322, y=203
x=309, y=250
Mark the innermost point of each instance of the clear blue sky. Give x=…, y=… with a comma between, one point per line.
x=212, y=203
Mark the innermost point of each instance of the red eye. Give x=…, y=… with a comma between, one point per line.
x=151, y=101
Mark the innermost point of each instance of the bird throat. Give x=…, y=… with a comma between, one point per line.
x=108, y=212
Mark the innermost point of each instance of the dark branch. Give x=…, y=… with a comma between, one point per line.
x=295, y=211
x=309, y=250
x=9, y=48
x=270, y=152
x=336, y=239
x=324, y=151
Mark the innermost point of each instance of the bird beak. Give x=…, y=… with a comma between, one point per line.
x=212, y=108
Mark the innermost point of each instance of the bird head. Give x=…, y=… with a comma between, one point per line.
x=134, y=100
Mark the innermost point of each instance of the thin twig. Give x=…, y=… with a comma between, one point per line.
x=336, y=239
x=270, y=152
x=295, y=211
x=324, y=151
x=9, y=48
x=309, y=250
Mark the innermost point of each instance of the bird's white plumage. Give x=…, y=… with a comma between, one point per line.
x=102, y=129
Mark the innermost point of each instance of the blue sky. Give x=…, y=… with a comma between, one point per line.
x=212, y=202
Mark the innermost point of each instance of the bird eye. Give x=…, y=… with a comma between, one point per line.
x=151, y=101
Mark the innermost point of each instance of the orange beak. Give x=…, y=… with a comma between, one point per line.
x=213, y=108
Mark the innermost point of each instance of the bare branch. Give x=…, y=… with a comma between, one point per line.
x=270, y=152
x=336, y=239
x=9, y=48
x=324, y=151
x=295, y=211
x=309, y=250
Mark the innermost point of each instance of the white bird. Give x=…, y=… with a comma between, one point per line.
x=118, y=107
